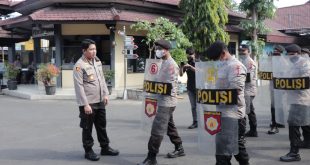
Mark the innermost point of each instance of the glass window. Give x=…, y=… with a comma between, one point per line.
x=137, y=65
x=72, y=50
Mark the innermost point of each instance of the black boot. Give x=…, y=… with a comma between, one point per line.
x=290, y=157
x=109, y=151
x=179, y=151
x=91, y=155
x=251, y=134
x=273, y=130
x=194, y=125
x=150, y=159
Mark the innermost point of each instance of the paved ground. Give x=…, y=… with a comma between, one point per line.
x=47, y=132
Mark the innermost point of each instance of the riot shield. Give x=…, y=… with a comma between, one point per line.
x=218, y=131
x=294, y=81
x=265, y=76
x=149, y=106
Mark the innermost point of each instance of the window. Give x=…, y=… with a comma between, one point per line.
x=72, y=50
x=137, y=65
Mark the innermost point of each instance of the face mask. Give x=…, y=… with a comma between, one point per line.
x=159, y=53
x=293, y=58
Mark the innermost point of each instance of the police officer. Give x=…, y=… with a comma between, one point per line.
x=300, y=103
x=274, y=127
x=250, y=88
x=189, y=68
x=163, y=122
x=236, y=80
x=92, y=97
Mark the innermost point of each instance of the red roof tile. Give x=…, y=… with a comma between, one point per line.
x=294, y=17
x=90, y=14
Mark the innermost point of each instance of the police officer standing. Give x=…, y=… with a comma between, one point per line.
x=274, y=127
x=163, y=122
x=92, y=97
x=189, y=68
x=235, y=75
x=299, y=109
x=250, y=88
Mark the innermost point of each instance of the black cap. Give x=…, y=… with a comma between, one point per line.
x=279, y=48
x=293, y=48
x=244, y=46
x=163, y=43
x=305, y=50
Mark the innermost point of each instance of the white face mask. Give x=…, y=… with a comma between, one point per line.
x=159, y=53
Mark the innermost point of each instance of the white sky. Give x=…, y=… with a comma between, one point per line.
x=284, y=3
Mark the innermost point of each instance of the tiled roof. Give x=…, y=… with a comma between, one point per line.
x=293, y=17
x=90, y=14
x=169, y=2
x=4, y=2
x=84, y=14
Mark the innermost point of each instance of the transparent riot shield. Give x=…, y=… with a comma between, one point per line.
x=294, y=81
x=265, y=77
x=149, y=102
x=218, y=131
x=279, y=67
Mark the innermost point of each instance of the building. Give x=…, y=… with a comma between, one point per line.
x=64, y=23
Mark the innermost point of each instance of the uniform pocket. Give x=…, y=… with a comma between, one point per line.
x=90, y=75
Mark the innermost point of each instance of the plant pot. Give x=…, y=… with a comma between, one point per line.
x=12, y=84
x=109, y=88
x=50, y=90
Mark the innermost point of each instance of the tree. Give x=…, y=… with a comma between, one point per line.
x=204, y=22
x=162, y=28
x=258, y=11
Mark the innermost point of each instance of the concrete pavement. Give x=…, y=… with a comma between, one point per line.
x=36, y=132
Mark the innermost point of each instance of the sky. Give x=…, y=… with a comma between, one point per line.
x=284, y=3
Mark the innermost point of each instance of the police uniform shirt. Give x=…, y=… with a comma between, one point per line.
x=89, y=82
x=250, y=85
x=232, y=76
x=168, y=73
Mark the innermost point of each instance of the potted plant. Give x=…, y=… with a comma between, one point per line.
x=47, y=73
x=109, y=76
x=11, y=73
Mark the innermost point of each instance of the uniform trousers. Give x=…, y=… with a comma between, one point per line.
x=192, y=99
x=163, y=123
x=242, y=157
x=97, y=118
x=252, y=115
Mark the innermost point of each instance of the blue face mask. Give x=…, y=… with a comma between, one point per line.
x=293, y=58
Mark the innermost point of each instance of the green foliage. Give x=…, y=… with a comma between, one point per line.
x=108, y=75
x=204, y=22
x=264, y=8
x=258, y=10
x=162, y=28
x=10, y=71
x=179, y=55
